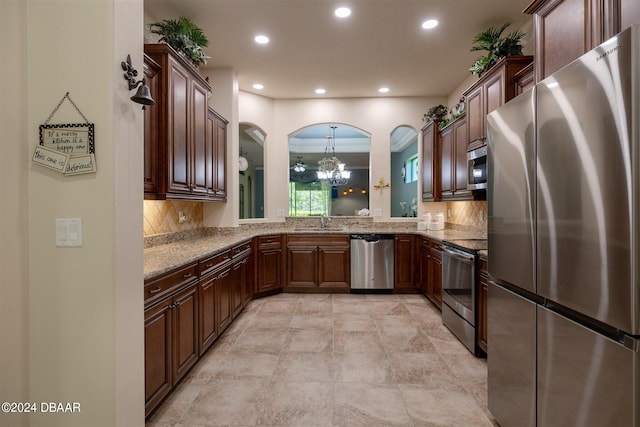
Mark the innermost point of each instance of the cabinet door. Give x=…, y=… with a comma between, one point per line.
x=435, y=276
x=221, y=158
x=202, y=157
x=494, y=95
x=429, y=153
x=302, y=265
x=157, y=354
x=475, y=117
x=483, y=290
x=423, y=267
x=403, y=262
x=269, y=266
x=224, y=299
x=185, y=331
x=446, y=163
x=237, y=286
x=334, y=269
x=151, y=127
x=563, y=32
x=460, y=170
x=208, y=324
x=248, y=280
x=177, y=134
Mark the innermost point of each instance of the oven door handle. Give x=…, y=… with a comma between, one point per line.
x=459, y=255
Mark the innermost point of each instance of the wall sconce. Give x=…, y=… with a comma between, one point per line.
x=142, y=96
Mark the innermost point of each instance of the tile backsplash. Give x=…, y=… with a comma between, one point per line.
x=472, y=213
x=162, y=216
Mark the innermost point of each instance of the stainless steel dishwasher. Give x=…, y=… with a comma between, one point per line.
x=372, y=262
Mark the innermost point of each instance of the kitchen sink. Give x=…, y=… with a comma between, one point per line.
x=318, y=229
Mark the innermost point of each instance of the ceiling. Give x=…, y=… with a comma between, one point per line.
x=380, y=44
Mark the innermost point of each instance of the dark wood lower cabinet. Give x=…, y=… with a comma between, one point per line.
x=199, y=302
x=430, y=270
x=269, y=260
x=157, y=354
x=434, y=282
x=171, y=343
x=483, y=288
x=318, y=263
x=224, y=299
x=404, y=261
x=208, y=313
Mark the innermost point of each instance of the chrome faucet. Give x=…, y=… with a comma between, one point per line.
x=324, y=221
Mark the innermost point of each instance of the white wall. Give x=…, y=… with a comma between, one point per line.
x=72, y=321
x=14, y=265
x=224, y=99
x=280, y=118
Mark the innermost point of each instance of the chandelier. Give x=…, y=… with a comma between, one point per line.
x=330, y=168
x=299, y=166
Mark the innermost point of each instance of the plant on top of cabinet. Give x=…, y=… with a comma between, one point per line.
x=184, y=36
x=498, y=47
x=437, y=112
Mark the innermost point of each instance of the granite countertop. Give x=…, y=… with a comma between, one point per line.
x=172, y=252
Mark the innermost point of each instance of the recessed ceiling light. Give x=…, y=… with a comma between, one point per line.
x=258, y=86
x=429, y=24
x=320, y=91
x=261, y=39
x=342, y=12
x=383, y=90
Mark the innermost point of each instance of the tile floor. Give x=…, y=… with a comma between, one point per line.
x=333, y=360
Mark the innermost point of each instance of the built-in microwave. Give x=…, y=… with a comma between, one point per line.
x=477, y=168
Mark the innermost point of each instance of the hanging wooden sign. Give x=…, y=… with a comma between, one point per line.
x=67, y=148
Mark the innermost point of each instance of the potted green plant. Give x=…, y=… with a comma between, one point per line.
x=491, y=40
x=436, y=113
x=184, y=36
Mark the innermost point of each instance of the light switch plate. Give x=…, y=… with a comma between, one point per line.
x=280, y=213
x=68, y=232
x=377, y=212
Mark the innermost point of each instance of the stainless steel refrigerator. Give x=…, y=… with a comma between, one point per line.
x=564, y=245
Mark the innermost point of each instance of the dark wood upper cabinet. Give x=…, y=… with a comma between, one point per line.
x=180, y=145
x=453, y=155
x=430, y=167
x=565, y=29
x=493, y=89
x=151, y=128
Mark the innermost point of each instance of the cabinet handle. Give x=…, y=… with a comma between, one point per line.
x=189, y=274
x=155, y=290
x=209, y=265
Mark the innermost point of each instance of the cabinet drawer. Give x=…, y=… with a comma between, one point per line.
x=241, y=249
x=213, y=263
x=268, y=240
x=163, y=286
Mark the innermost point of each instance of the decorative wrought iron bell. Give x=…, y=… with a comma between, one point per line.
x=143, y=96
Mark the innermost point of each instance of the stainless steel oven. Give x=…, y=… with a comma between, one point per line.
x=477, y=169
x=459, y=262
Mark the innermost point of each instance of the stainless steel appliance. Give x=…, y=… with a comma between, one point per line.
x=477, y=169
x=372, y=262
x=459, y=266
x=564, y=245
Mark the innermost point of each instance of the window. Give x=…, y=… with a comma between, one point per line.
x=411, y=169
x=309, y=199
